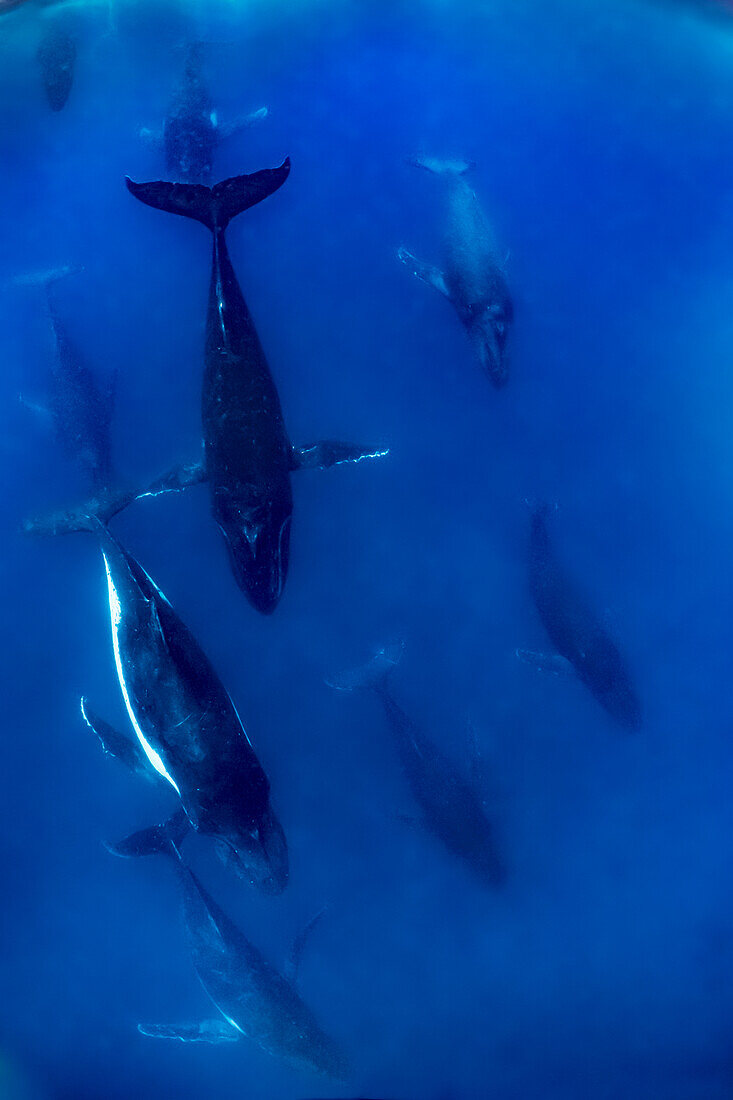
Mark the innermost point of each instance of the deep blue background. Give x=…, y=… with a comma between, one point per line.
x=602, y=134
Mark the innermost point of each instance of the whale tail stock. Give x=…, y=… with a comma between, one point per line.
x=373, y=675
x=214, y=206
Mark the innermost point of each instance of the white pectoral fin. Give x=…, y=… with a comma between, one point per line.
x=442, y=166
x=151, y=137
x=552, y=663
x=206, y=1031
x=41, y=411
x=228, y=129
x=428, y=273
x=175, y=480
x=115, y=743
x=332, y=452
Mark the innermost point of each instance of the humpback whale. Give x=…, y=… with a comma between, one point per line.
x=187, y=727
x=81, y=410
x=253, y=998
x=582, y=642
x=472, y=277
x=192, y=130
x=248, y=457
x=452, y=807
x=57, y=57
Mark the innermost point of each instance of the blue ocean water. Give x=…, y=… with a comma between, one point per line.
x=602, y=136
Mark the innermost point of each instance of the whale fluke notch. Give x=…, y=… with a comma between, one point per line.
x=332, y=452
x=214, y=206
x=206, y=1031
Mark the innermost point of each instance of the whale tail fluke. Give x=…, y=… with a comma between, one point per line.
x=156, y=840
x=214, y=206
x=450, y=166
x=374, y=674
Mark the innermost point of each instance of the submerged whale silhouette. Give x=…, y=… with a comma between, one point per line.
x=254, y=999
x=57, y=59
x=192, y=130
x=575, y=630
x=472, y=277
x=79, y=408
x=452, y=807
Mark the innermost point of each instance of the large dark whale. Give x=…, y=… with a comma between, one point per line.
x=575, y=630
x=452, y=807
x=472, y=277
x=248, y=457
x=192, y=130
x=187, y=726
x=255, y=1001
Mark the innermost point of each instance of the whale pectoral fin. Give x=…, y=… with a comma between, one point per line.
x=151, y=137
x=228, y=129
x=107, y=504
x=153, y=841
x=207, y=1031
x=41, y=411
x=116, y=744
x=175, y=480
x=546, y=662
x=300, y=943
x=429, y=274
x=332, y=452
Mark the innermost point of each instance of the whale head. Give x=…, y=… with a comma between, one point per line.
x=488, y=331
x=257, y=534
x=257, y=852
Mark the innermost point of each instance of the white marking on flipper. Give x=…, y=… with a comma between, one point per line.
x=552, y=663
x=208, y=1031
x=115, y=609
x=233, y=1023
